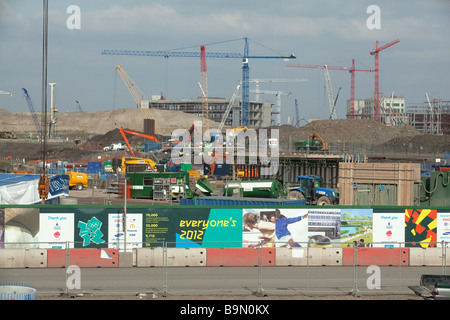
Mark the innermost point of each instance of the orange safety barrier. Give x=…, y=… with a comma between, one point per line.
x=375, y=256
x=239, y=257
x=88, y=258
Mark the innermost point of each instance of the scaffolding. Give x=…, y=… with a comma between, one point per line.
x=432, y=117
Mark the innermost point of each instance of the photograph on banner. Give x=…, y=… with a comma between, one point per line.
x=193, y=227
x=132, y=234
x=274, y=227
x=388, y=229
x=443, y=227
x=55, y=229
x=420, y=227
x=356, y=227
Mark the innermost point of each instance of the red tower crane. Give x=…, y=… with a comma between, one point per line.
x=376, y=102
x=352, y=71
x=204, y=88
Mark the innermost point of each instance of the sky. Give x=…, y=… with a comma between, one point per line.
x=319, y=32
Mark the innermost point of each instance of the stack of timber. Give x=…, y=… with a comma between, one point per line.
x=378, y=183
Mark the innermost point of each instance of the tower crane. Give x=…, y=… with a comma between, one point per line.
x=228, y=109
x=138, y=96
x=330, y=93
x=257, y=81
x=352, y=71
x=79, y=106
x=33, y=112
x=204, y=87
x=277, y=117
x=376, y=105
x=245, y=68
x=4, y=92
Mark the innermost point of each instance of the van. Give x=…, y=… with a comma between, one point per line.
x=77, y=180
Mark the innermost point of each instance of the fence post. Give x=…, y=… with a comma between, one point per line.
x=260, y=291
x=164, y=269
x=444, y=257
x=355, y=291
x=67, y=266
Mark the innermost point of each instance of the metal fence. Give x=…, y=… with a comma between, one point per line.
x=302, y=275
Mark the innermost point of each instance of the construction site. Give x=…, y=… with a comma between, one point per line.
x=380, y=137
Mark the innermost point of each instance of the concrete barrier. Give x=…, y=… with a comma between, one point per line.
x=83, y=258
x=311, y=257
x=376, y=256
x=427, y=257
x=176, y=257
x=232, y=257
x=23, y=258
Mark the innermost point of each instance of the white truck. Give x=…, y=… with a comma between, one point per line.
x=114, y=147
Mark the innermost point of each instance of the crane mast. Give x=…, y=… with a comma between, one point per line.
x=376, y=104
x=204, y=87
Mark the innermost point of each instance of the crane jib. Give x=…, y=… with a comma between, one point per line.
x=190, y=54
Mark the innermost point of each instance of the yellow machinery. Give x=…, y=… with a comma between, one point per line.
x=142, y=163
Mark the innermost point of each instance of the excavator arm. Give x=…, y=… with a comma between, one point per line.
x=136, y=133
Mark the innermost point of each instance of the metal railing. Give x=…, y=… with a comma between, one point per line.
x=303, y=274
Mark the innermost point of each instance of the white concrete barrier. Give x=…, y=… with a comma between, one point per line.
x=23, y=258
x=176, y=257
x=311, y=256
x=427, y=257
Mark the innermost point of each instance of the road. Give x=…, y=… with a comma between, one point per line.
x=305, y=283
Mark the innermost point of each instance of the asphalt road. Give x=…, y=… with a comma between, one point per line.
x=331, y=283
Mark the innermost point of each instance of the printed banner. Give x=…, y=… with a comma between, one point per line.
x=389, y=229
x=55, y=229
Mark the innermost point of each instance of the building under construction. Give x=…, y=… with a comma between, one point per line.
x=261, y=113
x=432, y=116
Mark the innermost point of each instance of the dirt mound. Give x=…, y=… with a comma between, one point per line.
x=361, y=131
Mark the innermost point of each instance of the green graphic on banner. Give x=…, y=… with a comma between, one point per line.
x=90, y=231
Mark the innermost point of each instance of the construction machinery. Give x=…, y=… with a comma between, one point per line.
x=33, y=112
x=7, y=135
x=352, y=71
x=77, y=180
x=79, y=106
x=277, y=117
x=135, y=164
x=138, y=96
x=245, y=68
x=255, y=188
x=315, y=143
x=377, y=102
x=5, y=92
x=310, y=188
x=136, y=133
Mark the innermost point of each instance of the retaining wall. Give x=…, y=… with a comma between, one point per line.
x=222, y=257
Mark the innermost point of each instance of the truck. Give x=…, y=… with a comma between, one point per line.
x=77, y=180
x=114, y=147
x=310, y=188
x=433, y=287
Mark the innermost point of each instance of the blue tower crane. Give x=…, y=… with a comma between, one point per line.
x=245, y=67
x=33, y=112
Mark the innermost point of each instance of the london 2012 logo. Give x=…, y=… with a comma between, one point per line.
x=91, y=232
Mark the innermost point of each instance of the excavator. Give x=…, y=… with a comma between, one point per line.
x=315, y=143
x=122, y=131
